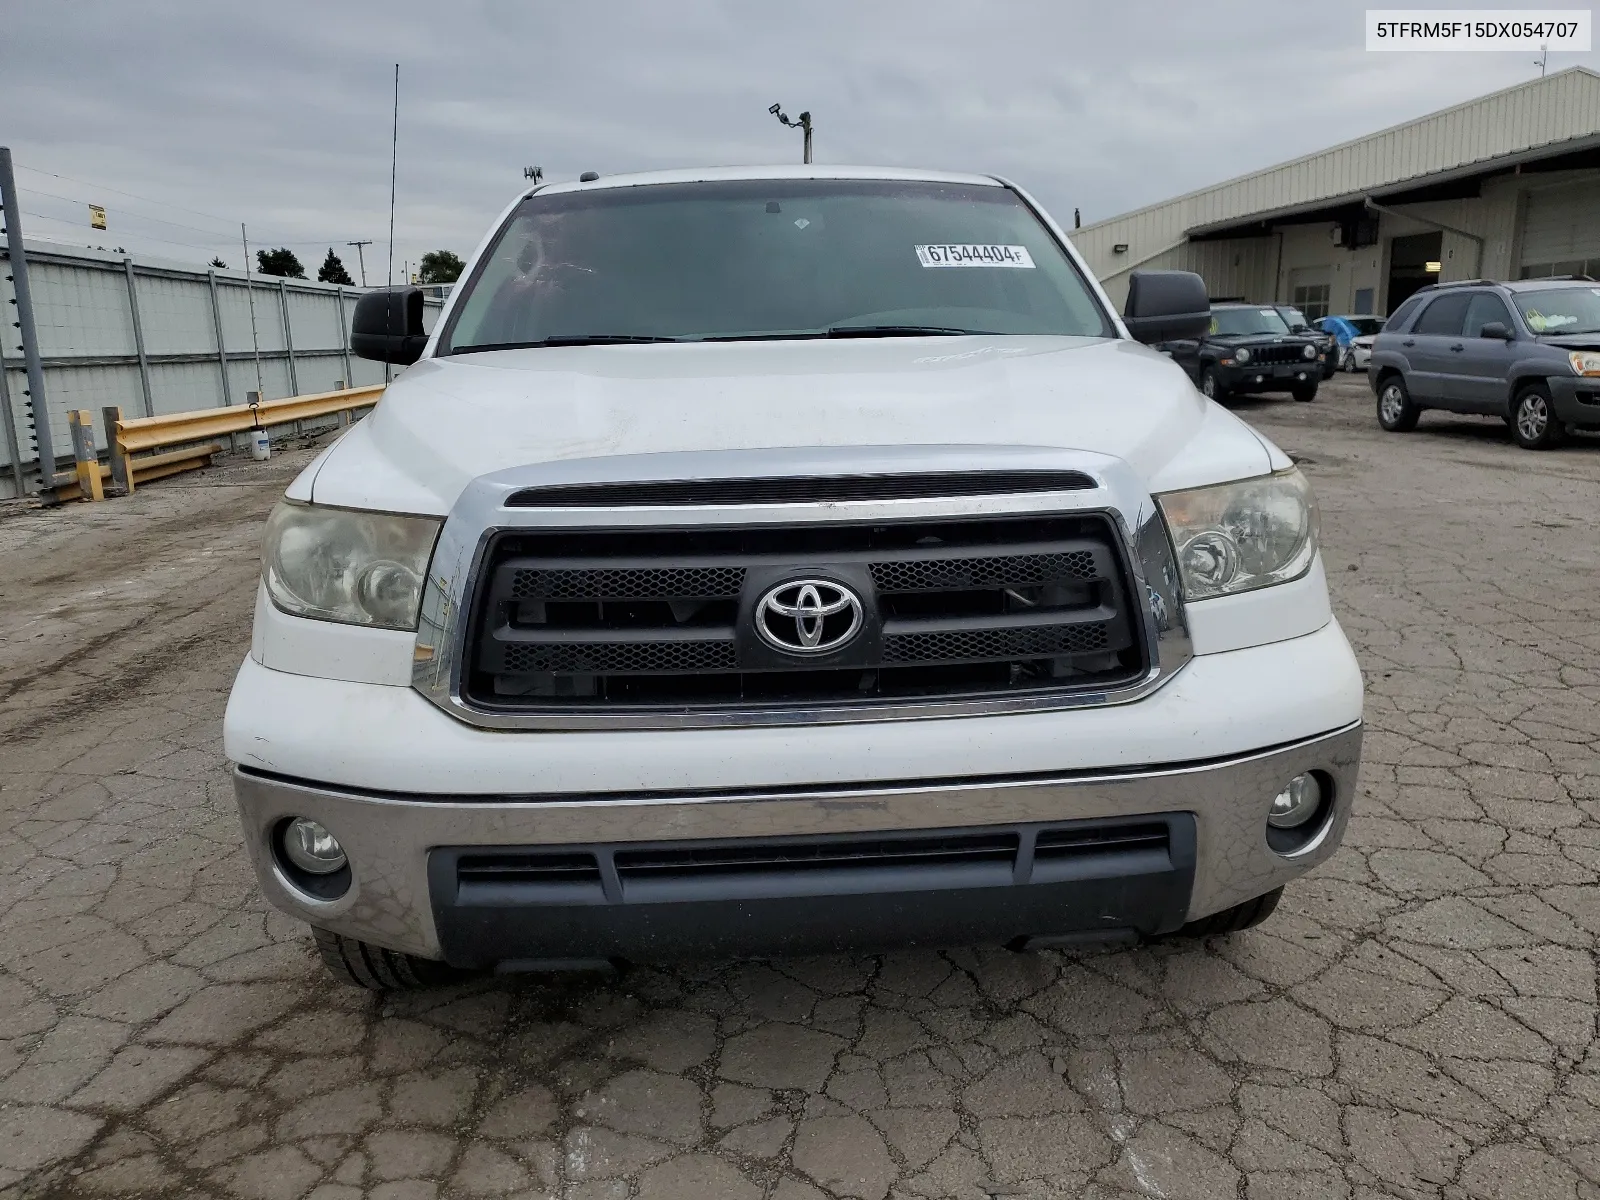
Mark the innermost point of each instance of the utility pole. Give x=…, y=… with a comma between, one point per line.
x=361, y=258
x=803, y=124
x=534, y=175
x=1543, y=60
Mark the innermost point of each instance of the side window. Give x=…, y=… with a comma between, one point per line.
x=1485, y=308
x=1443, y=317
x=1401, y=316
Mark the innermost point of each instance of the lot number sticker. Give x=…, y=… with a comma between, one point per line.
x=975, y=256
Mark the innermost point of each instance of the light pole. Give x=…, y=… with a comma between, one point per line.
x=803, y=124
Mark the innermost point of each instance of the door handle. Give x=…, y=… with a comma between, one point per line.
x=1458, y=348
x=1409, y=342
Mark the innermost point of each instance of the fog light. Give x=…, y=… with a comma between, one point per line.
x=312, y=848
x=1296, y=804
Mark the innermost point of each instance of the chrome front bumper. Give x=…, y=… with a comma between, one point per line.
x=388, y=838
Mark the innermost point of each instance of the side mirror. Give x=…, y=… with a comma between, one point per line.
x=1496, y=329
x=387, y=326
x=1299, y=329
x=1165, y=306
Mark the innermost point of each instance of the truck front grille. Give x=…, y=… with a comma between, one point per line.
x=663, y=619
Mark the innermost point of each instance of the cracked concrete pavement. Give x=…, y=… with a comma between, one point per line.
x=1418, y=1019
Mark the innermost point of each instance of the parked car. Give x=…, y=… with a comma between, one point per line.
x=1327, y=345
x=1526, y=351
x=1353, y=336
x=740, y=567
x=1248, y=348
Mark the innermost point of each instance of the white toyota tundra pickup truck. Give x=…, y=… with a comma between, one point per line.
x=767, y=561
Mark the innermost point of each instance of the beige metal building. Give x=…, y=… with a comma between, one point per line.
x=1506, y=186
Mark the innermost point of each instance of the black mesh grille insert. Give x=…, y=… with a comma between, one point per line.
x=620, y=657
x=944, y=574
x=663, y=618
x=799, y=489
x=624, y=584
x=967, y=644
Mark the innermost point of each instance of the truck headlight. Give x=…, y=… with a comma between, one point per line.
x=1242, y=354
x=1310, y=351
x=338, y=564
x=1585, y=362
x=1235, y=537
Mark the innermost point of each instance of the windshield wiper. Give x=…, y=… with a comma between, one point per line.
x=565, y=339
x=838, y=331
x=853, y=331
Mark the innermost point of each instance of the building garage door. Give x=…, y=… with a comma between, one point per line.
x=1561, y=231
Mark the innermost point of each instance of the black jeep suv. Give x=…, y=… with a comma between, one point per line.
x=1249, y=349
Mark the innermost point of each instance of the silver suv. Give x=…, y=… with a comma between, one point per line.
x=1527, y=352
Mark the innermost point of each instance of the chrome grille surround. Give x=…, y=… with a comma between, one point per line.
x=482, y=511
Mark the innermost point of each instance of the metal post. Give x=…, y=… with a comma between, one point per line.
x=805, y=127
x=250, y=287
x=138, y=339
x=85, y=461
x=222, y=352
x=121, y=472
x=38, y=409
x=288, y=335
x=344, y=342
x=9, y=424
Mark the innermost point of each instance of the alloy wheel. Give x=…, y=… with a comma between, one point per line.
x=1532, y=417
x=1393, y=404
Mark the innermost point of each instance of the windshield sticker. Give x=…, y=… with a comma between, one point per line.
x=974, y=256
x=801, y=223
x=1268, y=312
x=1540, y=323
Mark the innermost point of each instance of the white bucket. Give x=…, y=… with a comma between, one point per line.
x=260, y=445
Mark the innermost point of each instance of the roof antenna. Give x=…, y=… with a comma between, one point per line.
x=1544, y=58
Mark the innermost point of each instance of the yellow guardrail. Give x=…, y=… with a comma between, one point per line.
x=143, y=469
x=172, y=429
x=190, y=434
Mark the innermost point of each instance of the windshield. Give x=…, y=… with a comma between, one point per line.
x=1561, y=310
x=1233, y=321
x=754, y=259
x=1293, y=317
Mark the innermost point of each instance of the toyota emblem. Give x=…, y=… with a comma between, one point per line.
x=808, y=616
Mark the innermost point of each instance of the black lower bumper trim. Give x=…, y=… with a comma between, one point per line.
x=1061, y=883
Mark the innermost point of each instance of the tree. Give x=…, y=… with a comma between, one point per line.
x=219, y=264
x=279, y=262
x=439, y=266
x=332, y=270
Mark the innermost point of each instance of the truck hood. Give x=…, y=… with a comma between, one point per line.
x=446, y=421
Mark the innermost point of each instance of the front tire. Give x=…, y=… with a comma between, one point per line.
x=1534, y=425
x=1232, y=920
x=1304, y=392
x=364, y=965
x=1211, y=387
x=1396, y=413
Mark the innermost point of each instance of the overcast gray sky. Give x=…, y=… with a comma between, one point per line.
x=278, y=114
